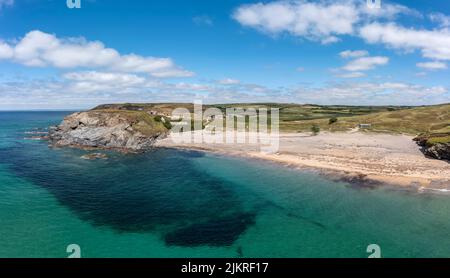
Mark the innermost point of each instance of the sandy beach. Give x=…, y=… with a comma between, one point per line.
x=386, y=158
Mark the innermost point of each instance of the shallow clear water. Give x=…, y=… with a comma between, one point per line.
x=170, y=203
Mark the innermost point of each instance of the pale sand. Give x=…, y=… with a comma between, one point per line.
x=393, y=159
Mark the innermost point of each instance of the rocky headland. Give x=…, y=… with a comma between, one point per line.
x=382, y=157
x=133, y=131
x=435, y=146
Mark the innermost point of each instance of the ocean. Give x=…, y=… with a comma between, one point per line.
x=187, y=204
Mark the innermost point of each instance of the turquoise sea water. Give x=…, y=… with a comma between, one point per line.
x=170, y=203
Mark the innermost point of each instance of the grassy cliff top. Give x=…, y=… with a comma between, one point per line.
x=140, y=120
x=299, y=118
x=439, y=139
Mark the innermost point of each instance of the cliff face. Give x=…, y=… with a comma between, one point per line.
x=108, y=129
x=435, y=146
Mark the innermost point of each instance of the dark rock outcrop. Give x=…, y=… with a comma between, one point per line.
x=434, y=147
x=122, y=130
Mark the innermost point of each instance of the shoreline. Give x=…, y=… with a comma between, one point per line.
x=357, y=179
x=361, y=158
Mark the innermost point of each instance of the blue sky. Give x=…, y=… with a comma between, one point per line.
x=325, y=52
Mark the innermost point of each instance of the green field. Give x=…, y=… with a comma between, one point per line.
x=301, y=118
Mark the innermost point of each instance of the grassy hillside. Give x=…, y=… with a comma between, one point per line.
x=429, y=119
x=438, y=139
x=299, y=118
x=288, y=112
x=140, y=121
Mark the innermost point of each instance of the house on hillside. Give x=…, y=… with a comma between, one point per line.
x=364, y=126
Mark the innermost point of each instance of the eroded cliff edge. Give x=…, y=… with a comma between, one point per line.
x=435, y=145
x=135, y=131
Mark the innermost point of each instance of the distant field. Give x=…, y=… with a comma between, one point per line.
x=430, y=119
x=300, y=118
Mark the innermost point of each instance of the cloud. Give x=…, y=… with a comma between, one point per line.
x=421, y=74
x=124, y=83
x=90, y=88
x=86, y=89
x=6, y=52
x=316, y=21
x=330, y=40
x=229, y=81
x=39, y=49
x=174, y=72
x=433, y=44
x=203, y=20
x=361, y=62
x=441, y=19
x=354, y=54
x=106, y=83
x=355, y=74
x=105, y=77
x=432, y=65
x=4, y=3
x=322, y=21
x=370, y=93
x=366, y=63
x=389, y=11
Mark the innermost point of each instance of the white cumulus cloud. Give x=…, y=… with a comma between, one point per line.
x=320, y=20
x=433, y=44
x=6, y=52
x=354, y=53
x=441, y=19
x=39, y=49
x=105, y=77
x=366, y=63
x=432, y=65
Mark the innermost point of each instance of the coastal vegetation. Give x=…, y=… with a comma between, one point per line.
x=333, y=120
x=300, y=118
x=140, y=121
x=439, y=140
x=315, y=129
x=138, y=126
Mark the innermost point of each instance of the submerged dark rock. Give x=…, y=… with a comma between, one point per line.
x=223, y=231
x=159, y=192
x=360, y=181
x=94, y=156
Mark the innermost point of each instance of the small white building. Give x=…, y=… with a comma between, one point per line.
x=365, y=126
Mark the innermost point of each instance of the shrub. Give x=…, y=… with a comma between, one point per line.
x=315, y=129
x=168, y=124
x=333, y=120
x=165, y=121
